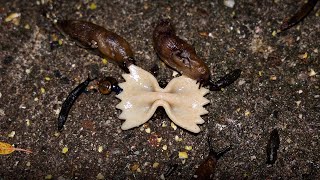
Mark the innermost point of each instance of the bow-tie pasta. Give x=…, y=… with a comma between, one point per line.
x=182, y=100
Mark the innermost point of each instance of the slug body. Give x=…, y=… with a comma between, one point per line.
x=301, y=14
x=67, y=104
x=225, y=80
x=272, y=147
x=107, y=85
x=178, y=54
x=207, y=168
x=109, y=44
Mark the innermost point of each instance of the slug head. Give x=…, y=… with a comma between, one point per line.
x=189, y=64
x=163, y=27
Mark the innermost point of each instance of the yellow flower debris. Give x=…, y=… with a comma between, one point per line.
x=49, y=176
x=12, y=16
x=42, y=90
x=173, y=126
x=188, y=148
x=93, y=6
x=155, y=165
x=65, y=150
x=247, y=113
x=183, y=155
x=104, y=61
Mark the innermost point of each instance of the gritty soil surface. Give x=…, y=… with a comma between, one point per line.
x=278, y=88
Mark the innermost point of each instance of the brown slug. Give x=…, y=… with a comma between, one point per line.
x=301, y=14
x=108, y=84
x=207, y=168
x=109, y=44
x=178, y=54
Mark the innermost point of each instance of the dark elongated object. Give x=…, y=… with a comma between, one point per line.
x=67, y=104
x=301, y=14
x=207, y=168
x=225, y=81
x=272, y=147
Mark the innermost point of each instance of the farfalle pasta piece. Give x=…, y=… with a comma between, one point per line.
x=182, y=100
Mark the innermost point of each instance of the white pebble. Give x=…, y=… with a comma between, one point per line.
x=229, y=3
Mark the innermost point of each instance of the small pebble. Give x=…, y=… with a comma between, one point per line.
x=28, y=122
x=174, y=73
x=165, y=147
x=135, y=167
x=174, y=127
x=311, y=73
x=27, y=26
x=163, y=124
x=159, y=140
x=100, y=176
x=155, y=165
x=253, y=158
x=11, y=134
x=273, y=77
x=100, y=149
x=303, y=56
x=229, y=3
x=148, y=130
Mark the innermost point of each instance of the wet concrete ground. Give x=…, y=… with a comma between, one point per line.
x=278, y=88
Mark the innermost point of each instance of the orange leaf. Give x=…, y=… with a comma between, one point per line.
x=6, y=148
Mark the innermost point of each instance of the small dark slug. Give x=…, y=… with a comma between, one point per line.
x=207, y=168
x=67, y=104
x=107, y=85
x=170, y=170
x=109, y=44
x=225, y=81
x=302, y=13
x=272, y=147
x=178, y=54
